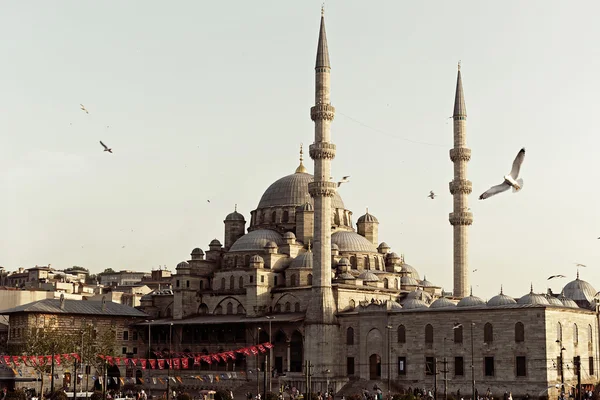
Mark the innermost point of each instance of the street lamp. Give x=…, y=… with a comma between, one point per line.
x=149, y=321
x=257, y=362
x=170, y=363
x=389, y=363
x=562, y=374
x=270, y=318
x=472, y=363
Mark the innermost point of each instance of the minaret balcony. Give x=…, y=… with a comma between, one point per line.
x=461, y=186
x=322, y=189
x=460, y=154
x=322, y=111
x=461, y=218
x=322, y=151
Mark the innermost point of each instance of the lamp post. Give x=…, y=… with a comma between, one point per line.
x=257, y=363
x=327, y=372
x=170, y=363
x=472, y=363
x=149, y=321
x=560, y=361
x=389, y=363
x=270, y=318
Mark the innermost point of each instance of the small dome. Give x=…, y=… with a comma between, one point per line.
x=214, y=242
x=304, y=260
x=289, y=235
x=256, y=240
x=553, y=300
x=383, y=245
x=425, y=283
x=197, y=252
x=345, y=276
x=409, y=281
x=501, y=300
x=567, y=302
x=334, y=247
x=367, y=218
x=470, y=301
x=394, y=305
x=344, y=261
x=305, y=207
x=392, y=256
x=183, y=264
x=256, y=259
x=352, y=241
x=235, y=216
x=407, y=268
x=368, y=276
x=412, y=304
x=579, y=290
x=271, y=245
x=442, y=302
x=533, y=298
x=419, y=294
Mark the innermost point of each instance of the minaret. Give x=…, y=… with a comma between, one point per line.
x=460, y=188
x=321, y=324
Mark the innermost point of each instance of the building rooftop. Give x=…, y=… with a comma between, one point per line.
x=81, y=307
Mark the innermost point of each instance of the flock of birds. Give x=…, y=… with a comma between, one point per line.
x=85, y=110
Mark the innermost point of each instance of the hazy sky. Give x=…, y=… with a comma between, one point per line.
x=210, y=100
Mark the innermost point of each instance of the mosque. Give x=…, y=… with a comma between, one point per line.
x=344, y=308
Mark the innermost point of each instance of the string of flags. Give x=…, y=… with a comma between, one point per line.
x=38, y=361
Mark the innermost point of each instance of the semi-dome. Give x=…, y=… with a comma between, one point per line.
x=256, y=240
x=352, y=241
x=292, y=190
x=533, y=298
x=567, y=302
x=367, y=218
x=303, y=260
x=407, y=268
x=412, y=304
x=470, y=301
x=408, y=281
x=579, y=290
x=501, y=300
x=235, y=216
x=368, y=276
x=442, y=302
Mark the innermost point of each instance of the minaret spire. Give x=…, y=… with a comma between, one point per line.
x=301, y=169
x=322, y=50
x=460, y=188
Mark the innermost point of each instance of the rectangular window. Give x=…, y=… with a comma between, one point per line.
x=591, y=365
x=275, y=281
x=262, y=279
x=401, y=365
x=489, y=366
x=135, y=336
x=521, y=366
x=350, y=366
x=125, y=335
x=559, y=367
x=429, y=366
x=124, y=350
x=459, y=366
x=135, y=350
x=187, y=283
x=177, y=283
x=251, y=278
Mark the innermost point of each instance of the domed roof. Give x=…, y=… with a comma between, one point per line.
x=352, y=241
x=383, y=245
x=256, y=240
x=305, y=207
x=215, y=242
x=419, y=294
x=392, y=256
x=394, y=305
x=197, y=251
x=579, y=290
x=271, y=245
x=345, y=276
x=368, y=276
x=367, y=218
x=183, y=264
x=442, y=302
x=303, y=260
x=256, y=259
x=412, y=304
x=409, y=281
x=407, y=268
x=533, y=298
x=553, y=300
x=289, y=235
x=567, y=302
x=425, y=283
x=501, y=300
x=292, y=190
x=235, y=216
x=334, y=247
x=470, y=301
x=344, y=261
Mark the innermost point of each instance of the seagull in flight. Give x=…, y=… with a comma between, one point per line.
x=457, y=326
x=581, y=265
x=432, y=195
x=344, y=180
x=105, y=147
x=510, y=180
x=84, y=109
x=475, y=270
x=208, y=201
x=556, y=276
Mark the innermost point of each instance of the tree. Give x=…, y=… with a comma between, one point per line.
x=98, y=343
x=78, y=268
x=107, y=271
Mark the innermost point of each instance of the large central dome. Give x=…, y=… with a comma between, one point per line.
x=292, y=190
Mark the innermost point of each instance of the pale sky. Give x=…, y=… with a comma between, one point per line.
x=210, y=100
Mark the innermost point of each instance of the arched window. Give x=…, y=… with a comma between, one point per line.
x=201, y=284
x=218, y=310
x=229, y=308
x=488, y=333
x=293, y=280
x=309, y=278
x=401, y=334
x=396, y=284
x=519, y=332
x=246, y=260
x=458, y=333
x=575, y=334
x=231, y=282
x=559, y=331
x=367, y=263
x=428, y=333
x=203, y=309
x=385, y=283
x=346, y=223
x=297, y=307
x=353, y=262
x=241, y=282
x=336, y=219
x=350, y=336
x=223, y=283
x=240, y=309
x=352, y=304
x=288, y=307
x=590, y=334
x=274, y=216
x=277, y=307
x=377, y=263
x=286, y=216
x=235, y=261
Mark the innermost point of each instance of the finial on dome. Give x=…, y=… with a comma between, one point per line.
x=577, y=273
x=235, y=208
x=459, y=65
x=501, y=290
x=323, y=9
x=471, y=292
x=309, y=245
x=531, y=289
x=367, y=210
x=301, y=169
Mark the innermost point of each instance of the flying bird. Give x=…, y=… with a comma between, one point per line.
x=457, y=326
x=510, y=180
x=475, y=270
x=581, y=265
x=432, y=195
x=344, y=180
x=84, y=109
x=208, y=201
x=105, y=147
x=556, y=276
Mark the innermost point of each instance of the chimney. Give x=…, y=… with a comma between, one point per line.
x=62, y=301
x=103, y=303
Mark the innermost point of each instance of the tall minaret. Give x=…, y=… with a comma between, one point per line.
x=320, y=323
x=460, y=188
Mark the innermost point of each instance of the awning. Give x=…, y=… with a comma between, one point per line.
x=225, y=319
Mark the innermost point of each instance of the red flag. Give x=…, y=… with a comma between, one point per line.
x=216, y=357
x=76, y=356
x=48, y=360
x=207, y=359
x=185, y=363
x=177, y=363
x=6, y=360
x=197, y=361
x=261, y=348
x=170, y=362
x=67, y=357
x=133, y=361
x=118, y=361
x=161, y=364
x=253, y=350
x=41, y=360
x=15, y=360
x=268, y=345
x=25, y=359
x=101, y=356
x=57, y=359
x=143, y=362
x=152, y=363
x=109, y=359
